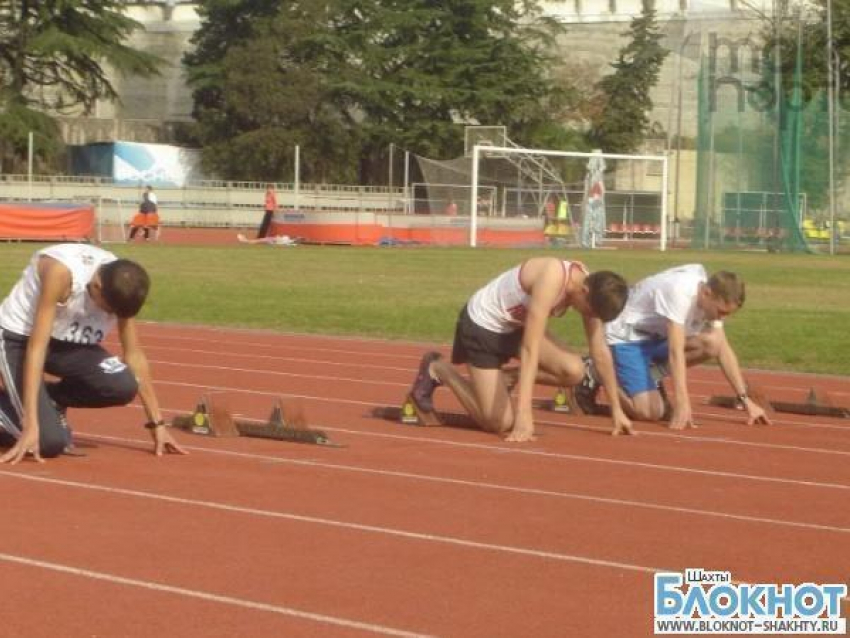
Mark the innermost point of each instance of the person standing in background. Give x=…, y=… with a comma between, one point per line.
x=270, y=207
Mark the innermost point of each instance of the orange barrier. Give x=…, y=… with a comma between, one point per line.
x=46, y=221
x=323, y=230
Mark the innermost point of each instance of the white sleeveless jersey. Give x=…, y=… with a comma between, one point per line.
x=502, y=305
x=78, y=319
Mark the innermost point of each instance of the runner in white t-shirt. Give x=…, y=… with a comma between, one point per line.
x=507, y=318
x=67, y=300
x=673, y=320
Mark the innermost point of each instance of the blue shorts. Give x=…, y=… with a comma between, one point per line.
x=632, y=361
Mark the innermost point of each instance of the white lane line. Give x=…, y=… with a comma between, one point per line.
x=512, y=449
x=671, y=436
x=424, y=346
x=596, y=459
x=375, y=382
x=312, y=348
x=373, y=529
x=489, y=486
x=346, y=525
x=268, y=357
x=209, y=597
x=300, y=375
x=384, y=383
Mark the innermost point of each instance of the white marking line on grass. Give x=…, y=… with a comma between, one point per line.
x=346, y=525
x=209, y=597
x=490, y=486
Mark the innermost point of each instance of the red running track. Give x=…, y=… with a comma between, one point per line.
x=406, y=531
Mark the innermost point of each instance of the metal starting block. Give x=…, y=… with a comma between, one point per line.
x=563, y=402
x=815, y=404
x=286, y=423
x=410, y=414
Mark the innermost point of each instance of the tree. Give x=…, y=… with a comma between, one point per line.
x=53, y=55
x=356, y=75
x=623, y=122
x=427, y=67
x=268, y=91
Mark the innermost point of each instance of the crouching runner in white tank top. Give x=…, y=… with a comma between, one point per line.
x=67, y=300
x=507, y=318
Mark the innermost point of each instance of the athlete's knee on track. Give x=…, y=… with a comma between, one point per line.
x=120, y=390
x=647, y=406
x=499, y=423
x=52, y=442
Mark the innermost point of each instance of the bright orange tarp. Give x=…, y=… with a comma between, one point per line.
x=46, y=221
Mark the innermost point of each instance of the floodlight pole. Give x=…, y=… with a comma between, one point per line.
x=831, y=114
x=664, y=182
x=678, y=124
x=407, y=198
x=29, y=162
x=473, y=199
x=297, y=175
x=391, y=165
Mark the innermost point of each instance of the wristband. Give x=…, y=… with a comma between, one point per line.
x=150, y=425
x=742, y=397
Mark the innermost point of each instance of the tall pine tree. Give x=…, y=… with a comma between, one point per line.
x=621, y=125
x=53, y=57
x=352, y=76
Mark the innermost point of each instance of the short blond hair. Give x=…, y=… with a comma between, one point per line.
x=728, y=286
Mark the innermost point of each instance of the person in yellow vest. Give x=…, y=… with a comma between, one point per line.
x=563, y=217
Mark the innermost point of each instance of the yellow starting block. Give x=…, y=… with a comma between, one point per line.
x=410, y=414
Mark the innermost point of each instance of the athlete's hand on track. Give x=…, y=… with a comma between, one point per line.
x=164, y=443
x=522, y=431
x=622, y=424
x=756, y=414
x=682, y=418
x=27, y=444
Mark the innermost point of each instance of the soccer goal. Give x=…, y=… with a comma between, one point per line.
x=590, y=198
x=112, y=216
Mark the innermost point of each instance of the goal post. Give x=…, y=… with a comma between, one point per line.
x=607, y=197
x=112, y=220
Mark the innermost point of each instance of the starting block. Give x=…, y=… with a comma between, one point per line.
x=815, y=404
x=565, y=402
x=562, y=402
x=286, y=423
x=410, y=414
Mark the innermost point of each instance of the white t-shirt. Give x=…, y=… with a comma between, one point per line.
x=79, y=319
x=653, y=302
x=502, y=305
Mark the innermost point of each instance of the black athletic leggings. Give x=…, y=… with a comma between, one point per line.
x=89, y=377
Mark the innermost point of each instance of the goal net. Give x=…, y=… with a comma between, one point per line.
x=112, y=219
x=586, y=199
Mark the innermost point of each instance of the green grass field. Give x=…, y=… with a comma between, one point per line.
x=796, y=316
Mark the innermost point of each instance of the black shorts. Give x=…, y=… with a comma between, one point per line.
x=483, y=348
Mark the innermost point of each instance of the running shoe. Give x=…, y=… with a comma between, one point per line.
x=423, y=388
